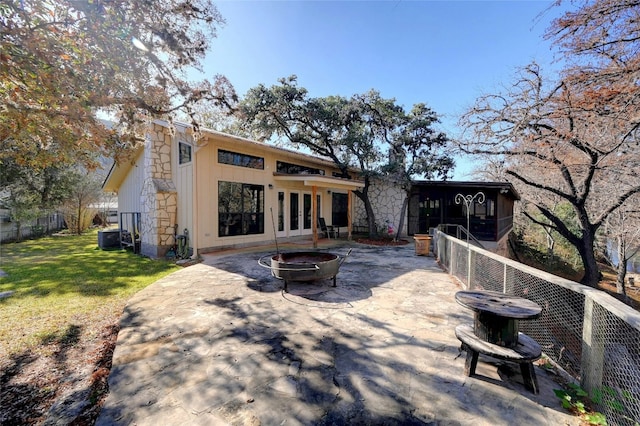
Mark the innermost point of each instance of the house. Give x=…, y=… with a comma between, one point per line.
x=434, y=203
x=222, y=191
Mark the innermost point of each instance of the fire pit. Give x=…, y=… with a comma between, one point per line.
x=304, y=266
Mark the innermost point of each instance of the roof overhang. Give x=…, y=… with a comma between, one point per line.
x=320, y=181
x=118, y=172
x=505, y=188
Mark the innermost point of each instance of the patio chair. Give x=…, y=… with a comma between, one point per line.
x=328, y=230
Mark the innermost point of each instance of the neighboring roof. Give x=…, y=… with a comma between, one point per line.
x=511, y=191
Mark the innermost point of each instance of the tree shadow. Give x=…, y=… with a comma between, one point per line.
x=365, y=268
x=28, y=388
x=242, y=355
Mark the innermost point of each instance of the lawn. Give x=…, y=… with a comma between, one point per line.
x=60, y=294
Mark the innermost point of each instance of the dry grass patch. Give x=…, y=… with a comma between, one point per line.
x=63, y=297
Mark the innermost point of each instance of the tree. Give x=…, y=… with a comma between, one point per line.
x=555, y=141
x=220, y=119
x=622, y=240
x=355, y=133
x=79, y=206
x=573, y=137
x=32, y=193
x=417, y=149
x=63, y=61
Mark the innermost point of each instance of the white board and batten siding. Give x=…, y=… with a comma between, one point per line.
x=183, y=179
x=130, y=191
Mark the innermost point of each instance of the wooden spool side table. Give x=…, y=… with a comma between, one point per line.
x=496, y=331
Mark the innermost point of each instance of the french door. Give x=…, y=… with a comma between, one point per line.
x=299, y=213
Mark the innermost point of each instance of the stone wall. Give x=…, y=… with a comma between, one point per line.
x=159, y=196
x=386, y=200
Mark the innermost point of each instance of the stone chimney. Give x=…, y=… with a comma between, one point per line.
x=159, y=197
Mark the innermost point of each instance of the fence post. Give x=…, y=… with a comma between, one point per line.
x=504, y=278
x=451, y=262
x=592, y=348
x=471, y=270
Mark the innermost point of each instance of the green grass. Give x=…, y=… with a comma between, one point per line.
x=62, y=284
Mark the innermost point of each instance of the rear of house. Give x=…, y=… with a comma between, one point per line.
x=222, y=191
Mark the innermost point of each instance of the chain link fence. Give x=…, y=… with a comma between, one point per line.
x=588, y=333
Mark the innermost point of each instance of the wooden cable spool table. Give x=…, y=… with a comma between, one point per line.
x=495, y=331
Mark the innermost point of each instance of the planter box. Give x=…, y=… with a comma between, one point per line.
x=423, y=244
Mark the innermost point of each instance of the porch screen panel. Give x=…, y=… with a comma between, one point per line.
x=339, y=206
x=240, y=209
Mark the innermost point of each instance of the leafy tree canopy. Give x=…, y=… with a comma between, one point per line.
x=365, y=132
x=63, y=61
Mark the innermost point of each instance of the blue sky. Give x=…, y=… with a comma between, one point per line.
x=442, y=53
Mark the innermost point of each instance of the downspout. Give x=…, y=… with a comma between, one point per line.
x=349, y=214
x=194, y=212
x=314, y=215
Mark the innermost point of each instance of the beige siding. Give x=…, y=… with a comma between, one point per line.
x=210, y=172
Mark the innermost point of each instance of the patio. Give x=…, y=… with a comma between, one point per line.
x=220, y=343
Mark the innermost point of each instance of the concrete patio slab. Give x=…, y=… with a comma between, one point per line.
x=220, y=343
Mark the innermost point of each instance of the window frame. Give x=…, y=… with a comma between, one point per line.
x=248, y=203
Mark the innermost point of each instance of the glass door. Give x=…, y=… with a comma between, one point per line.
x=294, y=213
x=299, y=213
x=281, y=215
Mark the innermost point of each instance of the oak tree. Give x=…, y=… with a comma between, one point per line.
x=356, y=133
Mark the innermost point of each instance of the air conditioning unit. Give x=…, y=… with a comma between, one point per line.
x=109, y=239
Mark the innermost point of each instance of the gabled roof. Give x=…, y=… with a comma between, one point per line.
x=119, y=171
x=507, y=187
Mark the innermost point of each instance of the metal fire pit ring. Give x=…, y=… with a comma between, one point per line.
x=303, y=266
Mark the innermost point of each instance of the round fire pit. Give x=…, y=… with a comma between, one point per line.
x=304, y=266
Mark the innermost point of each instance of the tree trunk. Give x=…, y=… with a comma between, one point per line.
x=405, y=205
x=621, y=268
x=79, y=225
x=551, y=242
x=371, y=217
x=592, y=274
x=18, y=231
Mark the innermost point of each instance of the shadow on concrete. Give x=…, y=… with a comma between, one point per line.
x=366, y=267
x=221, y=343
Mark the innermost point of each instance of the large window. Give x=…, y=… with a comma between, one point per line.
x=242, y=160
x=341, y=175
x=295, y=169
x=240, y=209
x=339, y=207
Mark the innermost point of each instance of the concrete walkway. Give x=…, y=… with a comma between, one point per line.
x=220, y=343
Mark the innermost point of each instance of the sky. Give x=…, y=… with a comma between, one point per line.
x=443, y=53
